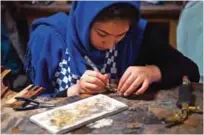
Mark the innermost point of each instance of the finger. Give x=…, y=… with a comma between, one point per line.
x=106, y=78
x=95, y=80
x=93, y=87
x=144, y=87
x=97, y=75
x=103, y=78
x=138, y=81
x=123, y=79
x=82, y=87
x=90, y=78
x=88, y=91
x=87, y=87
x=127, y=84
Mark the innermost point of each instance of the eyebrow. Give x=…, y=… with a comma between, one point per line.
x=109, y=33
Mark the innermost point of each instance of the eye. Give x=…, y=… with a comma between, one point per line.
x=120, y=36
x=101, y=35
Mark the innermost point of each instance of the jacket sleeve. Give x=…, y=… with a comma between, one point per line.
x=43, y=55
x=155, y=50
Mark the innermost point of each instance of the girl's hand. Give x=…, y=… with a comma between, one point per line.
x=137, y=79
x=92, y=82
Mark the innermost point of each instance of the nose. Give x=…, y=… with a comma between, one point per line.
x=110, y=43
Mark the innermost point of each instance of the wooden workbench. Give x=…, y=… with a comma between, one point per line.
x=146, y=118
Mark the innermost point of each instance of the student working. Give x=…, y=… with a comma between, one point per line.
x=124, y=48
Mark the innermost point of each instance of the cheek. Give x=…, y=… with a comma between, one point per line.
x=96, y=40
x=119, y=39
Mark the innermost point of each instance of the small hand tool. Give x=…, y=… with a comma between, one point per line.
x=184, y=102
x=31, y=104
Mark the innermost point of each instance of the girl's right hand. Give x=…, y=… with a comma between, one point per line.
x=92, y=82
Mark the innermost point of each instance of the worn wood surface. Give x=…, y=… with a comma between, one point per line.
x=144, y=117
x=148, y=10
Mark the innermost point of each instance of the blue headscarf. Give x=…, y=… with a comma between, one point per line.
x=78, y=36
x=73, y=30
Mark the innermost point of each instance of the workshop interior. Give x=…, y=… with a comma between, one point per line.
x=174, y=104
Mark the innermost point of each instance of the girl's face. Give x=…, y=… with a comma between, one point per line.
x=105, y=35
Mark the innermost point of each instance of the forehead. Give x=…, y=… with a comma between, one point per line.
x=113, y=26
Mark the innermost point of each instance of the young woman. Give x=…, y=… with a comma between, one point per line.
x=123, y=47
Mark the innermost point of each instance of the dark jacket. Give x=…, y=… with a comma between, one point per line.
x=172, y=64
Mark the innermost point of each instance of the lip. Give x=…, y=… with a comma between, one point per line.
x=101, y=48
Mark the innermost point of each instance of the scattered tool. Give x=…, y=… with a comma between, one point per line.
x=30, y=91
x=5, y=81
x=184, y=102
x=31, y=104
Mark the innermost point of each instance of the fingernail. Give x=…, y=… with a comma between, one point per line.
x=125, y=94
x=118, y=86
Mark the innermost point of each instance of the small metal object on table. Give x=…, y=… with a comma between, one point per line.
x=184, y=103
x=32, y=104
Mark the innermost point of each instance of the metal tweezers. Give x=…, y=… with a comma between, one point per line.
x=31, y=104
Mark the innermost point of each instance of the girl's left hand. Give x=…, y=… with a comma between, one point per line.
x=137, y=79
